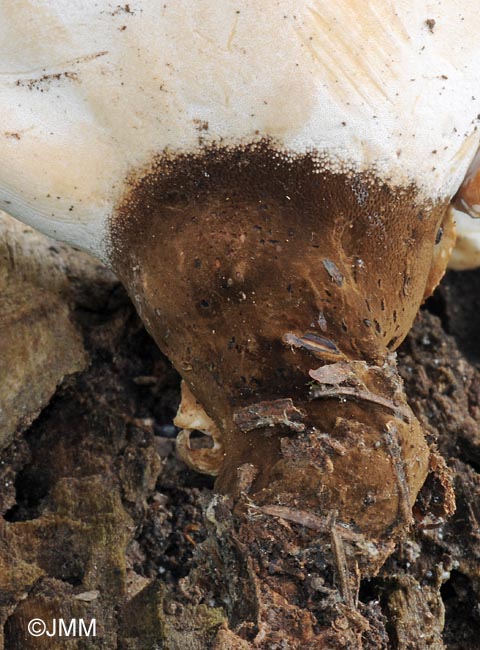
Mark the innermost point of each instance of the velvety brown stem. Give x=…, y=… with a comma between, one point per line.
x=251, y=270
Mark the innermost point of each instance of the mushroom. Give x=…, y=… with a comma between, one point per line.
x=273, y=188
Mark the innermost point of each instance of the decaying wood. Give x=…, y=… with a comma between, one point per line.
x=39, y=345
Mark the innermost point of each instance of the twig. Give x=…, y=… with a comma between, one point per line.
x=361, y=395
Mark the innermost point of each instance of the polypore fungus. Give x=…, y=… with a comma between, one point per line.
x=272, y=184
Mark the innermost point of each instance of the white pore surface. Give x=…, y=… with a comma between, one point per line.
x=90, y=90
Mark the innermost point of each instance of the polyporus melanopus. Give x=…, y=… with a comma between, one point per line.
x=272, y=184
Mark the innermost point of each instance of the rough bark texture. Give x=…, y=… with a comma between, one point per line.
x=101, y=520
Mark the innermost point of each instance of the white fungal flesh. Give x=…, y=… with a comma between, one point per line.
x=90, y=90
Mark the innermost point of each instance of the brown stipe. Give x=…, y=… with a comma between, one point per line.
x=254, y=256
